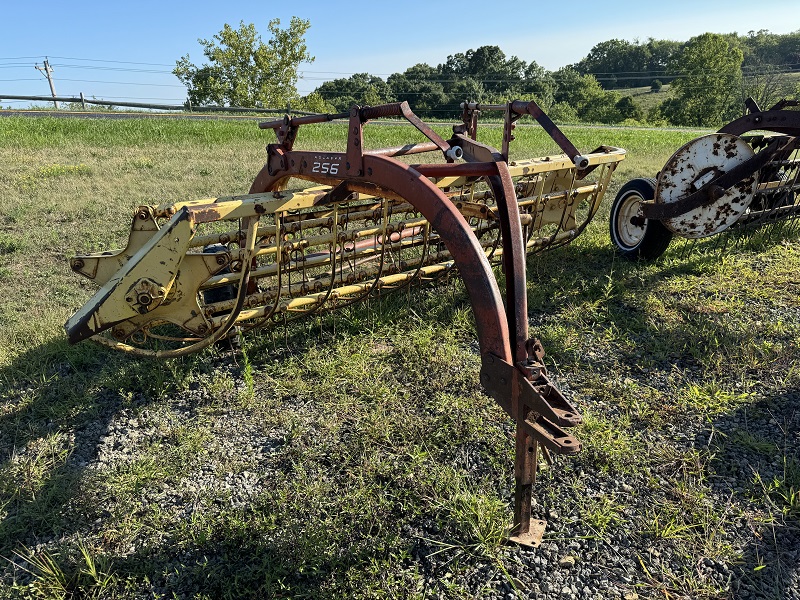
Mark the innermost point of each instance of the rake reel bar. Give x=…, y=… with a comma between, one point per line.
x=194, y=271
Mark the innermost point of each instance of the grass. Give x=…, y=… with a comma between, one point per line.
x=365, y=455
x=645, y=97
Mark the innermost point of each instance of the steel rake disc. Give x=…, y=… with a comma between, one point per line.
x=692, y=166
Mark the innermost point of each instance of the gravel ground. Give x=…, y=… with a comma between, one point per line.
x=575, y=561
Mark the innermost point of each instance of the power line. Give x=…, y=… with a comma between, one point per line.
x=122, y=62
x=143, y=98
x=172, y=85
x=116, y=69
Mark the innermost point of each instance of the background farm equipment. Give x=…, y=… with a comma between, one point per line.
x=193, y=273
x=727, y=181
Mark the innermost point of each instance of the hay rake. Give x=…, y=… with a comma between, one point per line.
x=193, y=273
x=733, y=181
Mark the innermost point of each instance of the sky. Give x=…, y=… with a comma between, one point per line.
x=126, y=51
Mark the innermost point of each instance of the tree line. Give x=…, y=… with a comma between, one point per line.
x=709, y=77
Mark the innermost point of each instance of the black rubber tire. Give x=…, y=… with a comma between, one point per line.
x=646, y=242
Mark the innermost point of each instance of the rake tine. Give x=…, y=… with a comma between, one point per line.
x=686, y=249
x=793, y=222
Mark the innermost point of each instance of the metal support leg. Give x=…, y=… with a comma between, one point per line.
x=525, y=531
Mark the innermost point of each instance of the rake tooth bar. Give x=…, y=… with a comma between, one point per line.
x=193, y=272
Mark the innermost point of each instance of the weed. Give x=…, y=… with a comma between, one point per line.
x=87, y=575
x=248, y=394
x=480, y=521
x=783, y=492
x=602, y=512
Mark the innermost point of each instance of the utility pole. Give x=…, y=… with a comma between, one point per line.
x=47, y=70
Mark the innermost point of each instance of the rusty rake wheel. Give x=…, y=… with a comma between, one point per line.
x=740, y=181
x=194, y=272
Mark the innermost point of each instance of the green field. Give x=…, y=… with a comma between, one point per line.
x=645, y=98
x=355, y=455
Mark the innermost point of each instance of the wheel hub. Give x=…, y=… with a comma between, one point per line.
x=631, y=227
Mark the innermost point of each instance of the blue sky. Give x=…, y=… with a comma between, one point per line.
x=145, y=37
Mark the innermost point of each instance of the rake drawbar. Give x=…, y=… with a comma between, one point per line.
x=195, y=272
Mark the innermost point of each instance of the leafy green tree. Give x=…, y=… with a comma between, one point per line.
x=584, y=93
x=420, y=87
x=661, y=53
x=707, y=91
x=766, y=73
x=627, y=108
x=616, y=63
x=538, y=84
x=313, y=103
x=362, y=89
x=244, y=71
x=497, y=76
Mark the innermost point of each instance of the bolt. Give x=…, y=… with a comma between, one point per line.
x=201, y=328
x=118, y=333
x=222, y=259
x=77, y=264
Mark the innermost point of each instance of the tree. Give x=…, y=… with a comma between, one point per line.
x=485, y=70
x=539, y=84
x=766, y=68
x=420, y=87
x=615, y=63
x=586, y=96
x=628, y=109
x=244, y=71
x=708, y=87
x=661, y=52
x=361, y=88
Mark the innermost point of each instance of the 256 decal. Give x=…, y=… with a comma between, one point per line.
x=331, y=168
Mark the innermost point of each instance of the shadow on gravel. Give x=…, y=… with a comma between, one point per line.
x=58, y=402
x=243, y=566
x=756, y=461
x=51, y=396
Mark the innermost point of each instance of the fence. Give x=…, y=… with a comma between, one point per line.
x=181, y=107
